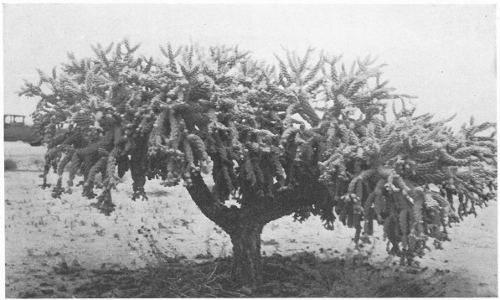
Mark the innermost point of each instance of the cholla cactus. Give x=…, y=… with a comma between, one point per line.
x=304, y=137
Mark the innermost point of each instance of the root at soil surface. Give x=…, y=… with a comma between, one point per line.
x=300, y=275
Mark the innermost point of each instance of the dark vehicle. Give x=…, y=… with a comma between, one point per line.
x=14, y=129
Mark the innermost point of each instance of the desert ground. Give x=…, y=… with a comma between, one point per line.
x=45, y=236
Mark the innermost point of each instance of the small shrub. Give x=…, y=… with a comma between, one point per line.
x=9, y=165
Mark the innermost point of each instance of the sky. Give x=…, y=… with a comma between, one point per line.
x=444, y=54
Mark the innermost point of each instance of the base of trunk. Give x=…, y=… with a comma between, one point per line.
x=247, y=263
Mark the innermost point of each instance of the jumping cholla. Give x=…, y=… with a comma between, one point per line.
x=305, y=138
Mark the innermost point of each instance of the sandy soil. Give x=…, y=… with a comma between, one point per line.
x=42, y=232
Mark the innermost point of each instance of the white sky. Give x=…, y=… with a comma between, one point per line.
x=444, y=54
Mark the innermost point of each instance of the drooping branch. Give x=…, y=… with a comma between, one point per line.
x=214, y=209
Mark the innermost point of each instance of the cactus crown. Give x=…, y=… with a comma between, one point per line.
x=261, y=130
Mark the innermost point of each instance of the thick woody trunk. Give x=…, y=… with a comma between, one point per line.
x=247, y=263
x=243, y=228
x=244, y=225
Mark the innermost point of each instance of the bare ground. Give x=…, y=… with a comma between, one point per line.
x=64, y=248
